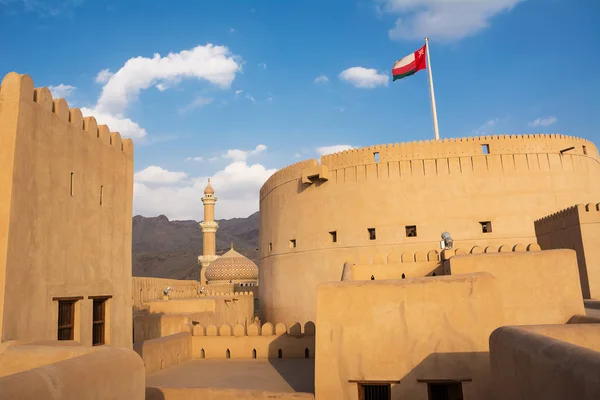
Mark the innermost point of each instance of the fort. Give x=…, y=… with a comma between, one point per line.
x=448, y=269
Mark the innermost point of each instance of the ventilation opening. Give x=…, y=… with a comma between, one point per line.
x=584, y=150
x=270, y=246
x=202, y=354
x=72, y=189
x=411, y=230
x=372, y=234
x=445, y=391
x=485, y=148
x=279, y=353
x=306, y=353
x=376, y=157
x=293, y=244
x=101, y=194
x=486, y=226
x=333, y=235
x=227, y=354
x=403, y=276
x=253, y=353
x=375, y=391
x=372, y=277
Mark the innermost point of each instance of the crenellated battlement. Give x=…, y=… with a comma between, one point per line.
x=286, y=174
x=267, y=329
x=17, y=90
x=570, y=216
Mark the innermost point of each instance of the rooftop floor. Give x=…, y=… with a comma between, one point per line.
x=274, y=375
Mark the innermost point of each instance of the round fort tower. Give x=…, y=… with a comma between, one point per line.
x=364, y=205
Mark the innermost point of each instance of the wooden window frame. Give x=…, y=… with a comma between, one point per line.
x=362, y=383
x=72, y=325
x=99, y=322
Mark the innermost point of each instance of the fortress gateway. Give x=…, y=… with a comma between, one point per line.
x=389, y=204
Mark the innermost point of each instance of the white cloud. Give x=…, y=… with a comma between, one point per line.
x=211, y=63
x=61, y=91
x=262, y=65
x=543, y=121
x=321, y=80
x=193, y=159
x=486, y=127
x=446, y=20
x=236, y=186
x=333, y=149
x=104, y=76
x=364, y=78
x=238, y=92
x=242, y=155
x=158, y=175
x=214, y=64
x=251, y=99
x=197, y=103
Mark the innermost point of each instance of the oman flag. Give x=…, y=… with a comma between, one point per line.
x=410, y=64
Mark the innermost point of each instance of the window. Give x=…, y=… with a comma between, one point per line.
x=376, y=156
x=333, y=235
x=99, y=321
x=101, y=194
x=485, y=148
x=486, y=226
x=372, y=234
x=411, y=230
x=306, y=353
x=270, y=246
x=279, y=353
x=66, y=319
x=292, y=243
x=584, y=150
x=71, y=189
x=380, y=391
x=445, y=391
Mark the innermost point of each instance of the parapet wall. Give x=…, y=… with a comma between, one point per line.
x=568, y=217
x=279, y=341
x=286, y=174
x=151, y=289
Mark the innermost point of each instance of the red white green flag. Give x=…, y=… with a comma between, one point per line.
x=410, y=64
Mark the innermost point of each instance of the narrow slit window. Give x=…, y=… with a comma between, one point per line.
x=411, y=230
x=485, y=148
x=270, y=246
x=486, y=226
x=101, y=194
x=376, y=157
x=333, y=235
x=375, y=391
x=444, y=391
x=372, y=233
x=584, y=150
x=99, y=322
x=293, y=244
x=279, y=353
x=71, y=188
x=66, y=319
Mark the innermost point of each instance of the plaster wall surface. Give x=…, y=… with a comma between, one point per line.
x=437, y=186
x=168, y=393
x=110, y=373
x=546, y=362
x=578, y=228
x=402, y=331
x=65, y=216
x=536, y=287
x=162, y=353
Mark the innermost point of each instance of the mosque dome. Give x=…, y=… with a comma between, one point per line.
x=232, y=266
x=209, y=189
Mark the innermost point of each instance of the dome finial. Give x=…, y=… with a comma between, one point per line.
x=209, y=189
x=232, y=245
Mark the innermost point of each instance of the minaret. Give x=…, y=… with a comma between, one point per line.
x=209, y=232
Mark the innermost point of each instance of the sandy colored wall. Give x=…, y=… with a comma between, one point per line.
x=294, y=341
x=165, y=352
x=154, y=393
x=52, y=243
x=166, y=317
x=111, y=373
x=537, y=287
x=446, y=185
x=149, y=289
x=549, y=363
x=405, y=330
x=577, y=228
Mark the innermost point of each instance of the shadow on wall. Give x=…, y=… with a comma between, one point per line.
x=300, y=377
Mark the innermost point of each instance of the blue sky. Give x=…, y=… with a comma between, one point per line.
x=229, y=89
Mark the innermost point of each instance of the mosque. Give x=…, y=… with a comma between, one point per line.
x=434, y=270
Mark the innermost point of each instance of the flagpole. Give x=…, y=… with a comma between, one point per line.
x=436, y=131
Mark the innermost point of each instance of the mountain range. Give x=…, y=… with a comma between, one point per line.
x=170, y=249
